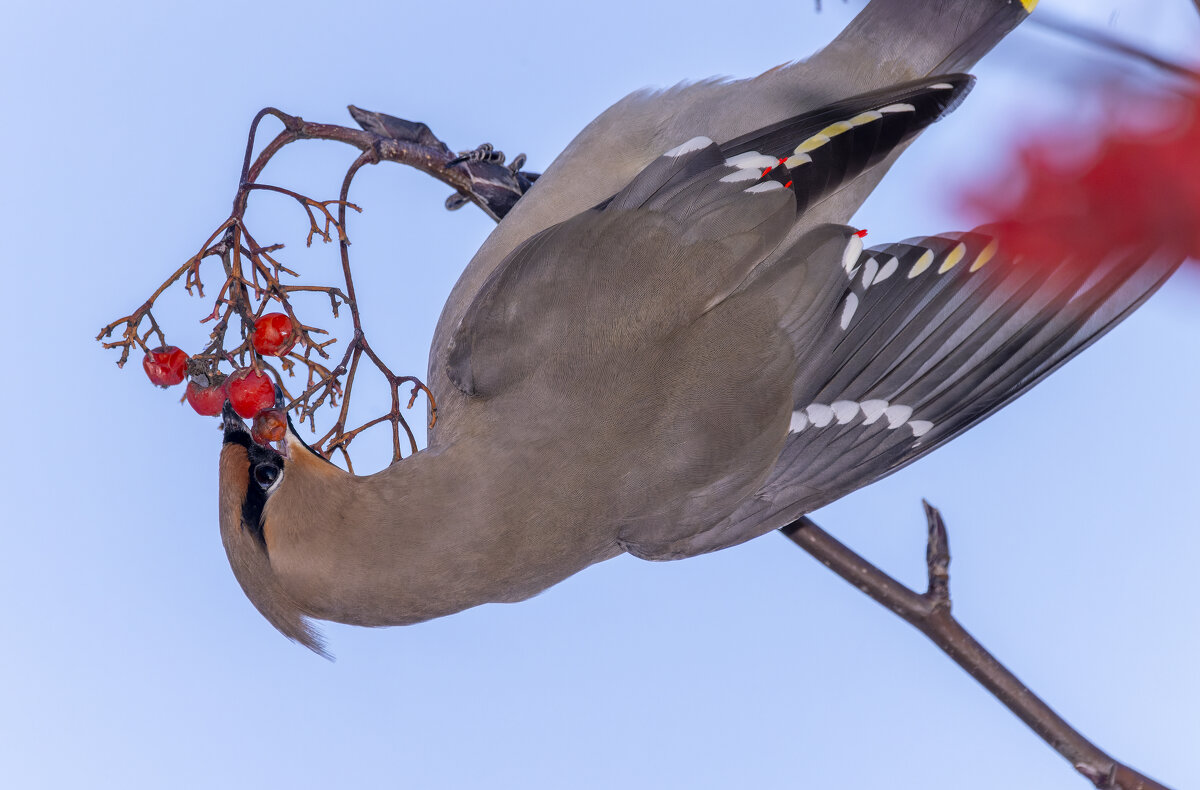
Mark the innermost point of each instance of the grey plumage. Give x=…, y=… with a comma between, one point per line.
x=889, y=43
x=673, y=344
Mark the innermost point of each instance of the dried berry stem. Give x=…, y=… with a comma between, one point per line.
x=253, y=283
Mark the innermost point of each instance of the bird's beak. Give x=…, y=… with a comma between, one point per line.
x=232, y=424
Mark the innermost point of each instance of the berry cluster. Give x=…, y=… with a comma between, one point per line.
x=250, y=392
x=269, y=348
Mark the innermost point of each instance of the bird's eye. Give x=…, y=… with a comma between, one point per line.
x=266, y=475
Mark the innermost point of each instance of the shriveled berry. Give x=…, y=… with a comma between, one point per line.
x=166, y=366
x=274, y=335
x=207, y=401
x=270, y=425
x=250, y=392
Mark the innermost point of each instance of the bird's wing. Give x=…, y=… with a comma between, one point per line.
x=920, y=341
x=619, y=275
x=889, y=42
x=693, y=224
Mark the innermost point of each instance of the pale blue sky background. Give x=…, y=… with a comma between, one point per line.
x=131, y=658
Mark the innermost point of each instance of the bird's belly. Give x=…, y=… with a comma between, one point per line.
x=657, y=472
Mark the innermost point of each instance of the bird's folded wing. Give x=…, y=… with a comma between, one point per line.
x=925, y=339
x=691, y=227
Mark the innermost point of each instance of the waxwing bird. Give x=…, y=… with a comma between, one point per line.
x=674, y=344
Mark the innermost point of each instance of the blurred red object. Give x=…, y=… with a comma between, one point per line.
x=1136, y=187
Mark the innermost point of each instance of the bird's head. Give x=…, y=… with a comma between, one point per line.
x=260, y=484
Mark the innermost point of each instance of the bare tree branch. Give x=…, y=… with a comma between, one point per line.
x=253, y=271
x=1103, y=40
x=930, y=613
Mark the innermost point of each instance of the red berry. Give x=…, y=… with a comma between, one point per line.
x=250, y=392
x=273, y=335
x=207, y=401
x=166, y=366
x=269, y=426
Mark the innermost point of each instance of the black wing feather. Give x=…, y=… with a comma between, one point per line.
x=936, y=353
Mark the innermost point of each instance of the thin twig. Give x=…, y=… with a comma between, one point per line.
x=930, y=613
x=253, y=273
x=1111, y=43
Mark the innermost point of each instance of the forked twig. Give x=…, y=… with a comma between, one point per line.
x=930, y=613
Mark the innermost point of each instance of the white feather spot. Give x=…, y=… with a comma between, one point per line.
x=888, y=270
x=870, y=269
x=872, y=410
x=848, y=309
x=819, y=414
x=844, y=410
x=941, y=86
x=695, y=144
x=751, y=159
x=766, y=186
x=953, y=258
x=798, y=422
x=795, y=160
x=920, y=427
x=850, y=255
x=898, y=108
x=897, y=415
x=742, y=175
x=923, y=263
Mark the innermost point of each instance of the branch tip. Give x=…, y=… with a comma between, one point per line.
x=937, y=559
x=930, y=613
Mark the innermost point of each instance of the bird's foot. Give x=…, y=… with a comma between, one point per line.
x=494, y=186
x=485, y=152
